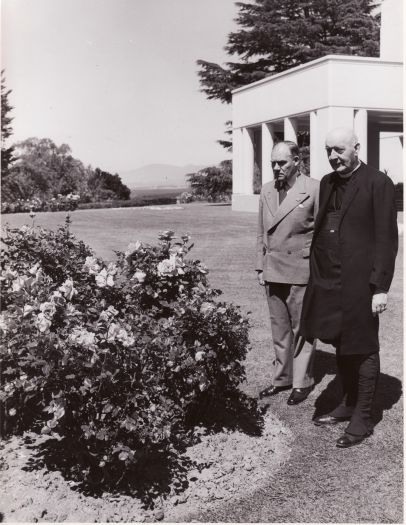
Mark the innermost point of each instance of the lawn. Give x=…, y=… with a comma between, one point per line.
x=319, y=483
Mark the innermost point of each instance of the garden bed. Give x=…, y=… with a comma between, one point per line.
x=228, y=465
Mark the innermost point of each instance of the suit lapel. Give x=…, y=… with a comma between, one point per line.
x=295, y=196
x=271, y=199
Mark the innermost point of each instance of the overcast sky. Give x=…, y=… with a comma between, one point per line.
x=116, y=79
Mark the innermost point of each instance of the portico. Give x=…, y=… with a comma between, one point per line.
x=363, y=93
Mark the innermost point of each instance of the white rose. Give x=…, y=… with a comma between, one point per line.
x=206, y=308
x=112, y=332
x=132, y=248
x=34, y=269
x=92, y=265
x=106, y=315
x=18, y=284
x=27, y=309
x=42, y=322
x=104, y=279
x=48, y=309
x=3, y=323
x=82, y=337
x=68, y=289
x=167, y=266
x=139, y=276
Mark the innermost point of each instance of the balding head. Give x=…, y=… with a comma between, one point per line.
x=342, y=150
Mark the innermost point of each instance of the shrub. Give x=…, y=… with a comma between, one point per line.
x=213, y=183
x=59, y=203
x=185, y=197
x=116, y=357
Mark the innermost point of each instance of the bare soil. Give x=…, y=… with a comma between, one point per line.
x=229, y=465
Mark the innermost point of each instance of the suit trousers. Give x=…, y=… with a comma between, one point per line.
x=359, y=375
x=293, y=364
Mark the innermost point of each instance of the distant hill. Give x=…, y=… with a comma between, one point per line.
x=158, y=176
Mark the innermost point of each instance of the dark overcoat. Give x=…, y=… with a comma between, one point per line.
x=368, y=243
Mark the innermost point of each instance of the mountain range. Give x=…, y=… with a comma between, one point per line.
x=158, y=176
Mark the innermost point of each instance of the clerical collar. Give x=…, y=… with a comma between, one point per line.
x=349, y=175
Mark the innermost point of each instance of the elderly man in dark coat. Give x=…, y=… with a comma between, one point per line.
x=351, y=268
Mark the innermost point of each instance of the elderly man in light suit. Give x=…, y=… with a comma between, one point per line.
x=287, y=211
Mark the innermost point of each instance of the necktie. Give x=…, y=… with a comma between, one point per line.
x=282, y=194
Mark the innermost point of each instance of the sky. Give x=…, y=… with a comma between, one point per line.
x=117, y=79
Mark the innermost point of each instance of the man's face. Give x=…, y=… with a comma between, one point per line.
x=342, y=153
x=284, y=165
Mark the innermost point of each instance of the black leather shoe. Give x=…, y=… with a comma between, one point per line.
x=329, y=420
x=299, y=394
x=349, y=440
x=272, y=390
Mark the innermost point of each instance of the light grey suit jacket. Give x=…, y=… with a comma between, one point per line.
x=285, y=232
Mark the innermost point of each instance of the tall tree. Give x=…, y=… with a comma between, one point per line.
x=103, y=185
x=6, y=129
x=276, y=35
x=213, y=183
x=44, y=169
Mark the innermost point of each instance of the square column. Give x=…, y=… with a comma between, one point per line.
x=238, y=174
x=290, y=129
x=247, y=161
x=373, y=146
x=361, y=130
x=315, y=146
x=267, y=145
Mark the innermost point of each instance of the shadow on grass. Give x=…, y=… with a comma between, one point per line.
x=387, y=395
x=158, y=472
x=235, y=411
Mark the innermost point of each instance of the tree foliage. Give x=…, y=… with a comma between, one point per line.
x=6, y=129
x=213, y=183
x=45, y=170
x=276, y=35
x=103, y=185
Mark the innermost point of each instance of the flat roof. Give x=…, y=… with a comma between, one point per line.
x=317, y=62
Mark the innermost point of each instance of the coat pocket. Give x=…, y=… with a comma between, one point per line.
x=306, y=252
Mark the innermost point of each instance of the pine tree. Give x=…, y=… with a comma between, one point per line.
x=276, y=35
x=6, y=129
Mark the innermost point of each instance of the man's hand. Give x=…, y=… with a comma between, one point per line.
x=261, y=278
x=379, y=302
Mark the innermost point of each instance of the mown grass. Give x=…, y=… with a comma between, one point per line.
x=320, y=483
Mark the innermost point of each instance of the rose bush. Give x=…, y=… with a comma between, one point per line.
x=118, y=357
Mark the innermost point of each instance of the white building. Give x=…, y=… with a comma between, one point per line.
x=337, y=90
